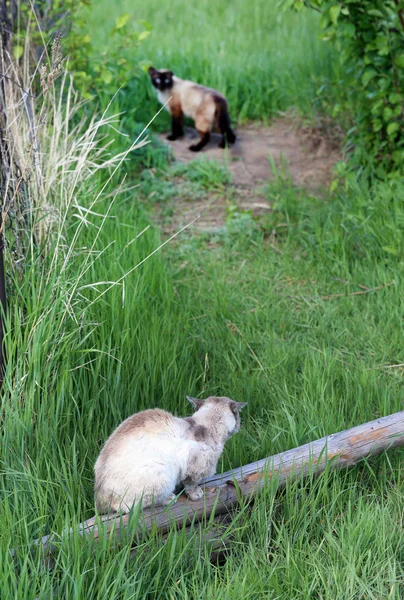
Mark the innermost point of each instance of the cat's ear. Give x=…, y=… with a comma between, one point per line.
x=169, y=74
x=196, y=402
x=236, y=407
x=152, y=70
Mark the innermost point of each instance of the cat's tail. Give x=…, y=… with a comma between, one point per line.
x=223, y=120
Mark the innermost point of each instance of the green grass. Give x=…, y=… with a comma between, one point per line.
x=264, y=59
x=307, y=366
x=245, y=312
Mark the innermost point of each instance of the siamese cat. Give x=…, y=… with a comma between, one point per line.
x=207, y=107
x=152, y=452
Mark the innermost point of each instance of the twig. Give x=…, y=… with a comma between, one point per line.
x=19, y=85
x=363, y=287
x=399, y=13
x=379, y=287
x=331, y=296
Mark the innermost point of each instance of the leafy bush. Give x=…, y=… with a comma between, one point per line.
x=107, y=72
x=94, y=73
x=370, y=37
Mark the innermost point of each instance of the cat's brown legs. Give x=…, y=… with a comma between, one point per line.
x=228, y=137
x=205, y=137
x=177, y=126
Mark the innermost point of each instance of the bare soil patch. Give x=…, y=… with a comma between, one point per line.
x=302, y=154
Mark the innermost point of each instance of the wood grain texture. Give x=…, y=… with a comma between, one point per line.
x=223, y=492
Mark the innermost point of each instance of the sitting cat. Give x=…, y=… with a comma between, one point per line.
x=151, y=452
x=207, y=107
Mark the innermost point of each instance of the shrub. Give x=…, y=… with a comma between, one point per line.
x=370, y=37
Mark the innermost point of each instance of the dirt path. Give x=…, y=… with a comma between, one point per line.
x=301, y=154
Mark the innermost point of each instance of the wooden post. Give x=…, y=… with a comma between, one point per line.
x=225, y=491
x=7, y=13
x=3, y=302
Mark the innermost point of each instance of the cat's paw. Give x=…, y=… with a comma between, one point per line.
x=172, y=137
x=195, y=494
x=194, y=148
x=169, y=499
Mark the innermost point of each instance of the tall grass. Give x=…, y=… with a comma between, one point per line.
x=264, y=59
x=248, y=312
x=242, y=320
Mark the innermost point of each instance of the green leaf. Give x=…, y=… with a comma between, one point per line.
x=334, y=185
x=106, y=76
x=398, y=156
x=392, y=128
x=399, y=60
x=121, y=21
x=324, y=21
x=325, y=37
x=387, y=114
x=377, y=125
x=373, y=12
x=145, y=24
x=18, y=51
x=382, y=45
x=347, y=29
x=143, y=35
x=144, y=65
x=396, y=98
x=397, y=110
x=368, y=74
x=390, y=250
x=384, y=83
x=334, y=13
x=376, y=106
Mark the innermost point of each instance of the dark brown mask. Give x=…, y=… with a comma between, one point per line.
x=161, y=80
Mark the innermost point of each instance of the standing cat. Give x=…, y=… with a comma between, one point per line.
x=151, y=452
x=207, y=107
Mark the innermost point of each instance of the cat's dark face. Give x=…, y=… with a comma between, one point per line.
x=161, y=80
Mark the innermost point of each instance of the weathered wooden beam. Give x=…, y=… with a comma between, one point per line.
x=224, y=492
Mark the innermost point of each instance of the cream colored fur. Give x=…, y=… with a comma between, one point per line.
x=151, y=452
x=196, y=101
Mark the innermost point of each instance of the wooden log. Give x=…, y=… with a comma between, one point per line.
x=224, y=492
